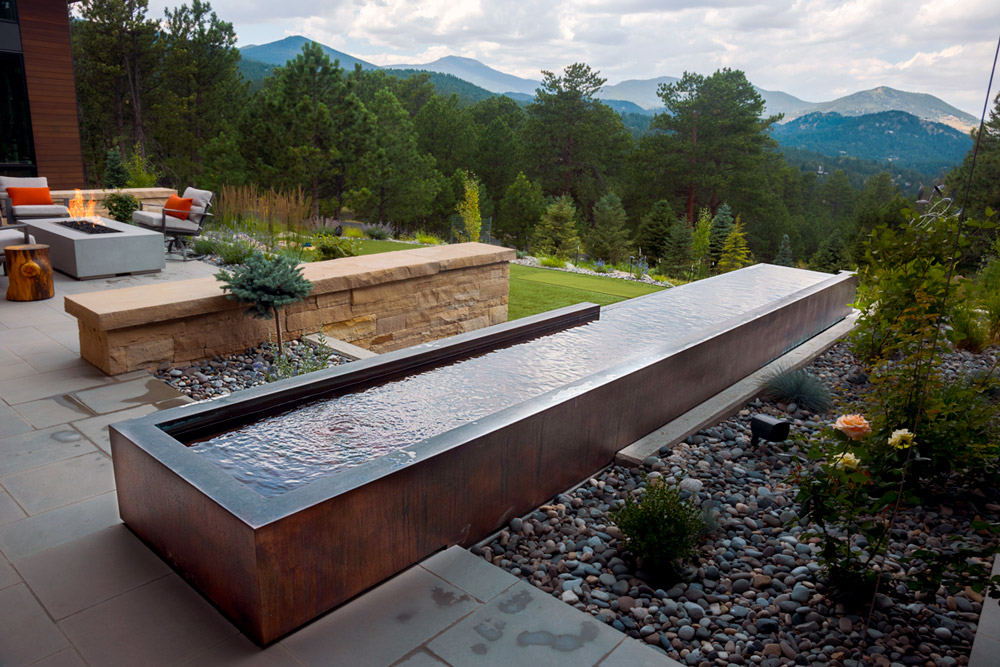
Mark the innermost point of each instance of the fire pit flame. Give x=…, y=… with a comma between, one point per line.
x=84, y=211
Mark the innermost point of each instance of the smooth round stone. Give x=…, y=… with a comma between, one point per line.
x=686, y=632
x=691, y=484
x=516, y=524
x=800, y=593
x=942, y=633
x=741, y=586
x=607, y=579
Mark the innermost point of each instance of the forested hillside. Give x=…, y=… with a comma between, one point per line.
x=403, y=148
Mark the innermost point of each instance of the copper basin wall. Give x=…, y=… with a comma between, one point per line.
x=273, y=564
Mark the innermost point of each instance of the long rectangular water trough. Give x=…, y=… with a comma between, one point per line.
x=280, y=502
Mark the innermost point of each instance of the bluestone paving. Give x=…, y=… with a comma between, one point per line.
x=57, y=484
x=420, y=659
x=473, y=575
x=383, y=625
x=75, y=576
x=239, y=651
x=11, y=423
x=526, y=626
x=123, y=395
x=8, y=575
x=96, y=428
x=39, y=448
x=633, y=653
x=164, y=622
x=65, y=658
x=9, y=510
x=54, y=383
x=32, y=534
x=50, y=411
x=28, y=633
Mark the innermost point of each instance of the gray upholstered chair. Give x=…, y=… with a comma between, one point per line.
x=14, y=214
x=13, y=235
x=172, y=227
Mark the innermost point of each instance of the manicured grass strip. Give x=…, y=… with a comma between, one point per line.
x=611, y=286
x=373, y=247
x=528, y=297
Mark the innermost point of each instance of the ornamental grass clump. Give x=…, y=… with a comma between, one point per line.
x=267, y=285
x=661, y=529
x=798, y=386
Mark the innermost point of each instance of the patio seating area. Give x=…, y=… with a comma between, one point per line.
x=77, y=587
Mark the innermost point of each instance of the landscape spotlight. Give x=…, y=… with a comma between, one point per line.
x=768, y=428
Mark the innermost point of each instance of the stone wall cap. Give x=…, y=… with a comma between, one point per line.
x=146, y=304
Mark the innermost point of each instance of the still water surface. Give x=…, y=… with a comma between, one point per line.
x=290, y=449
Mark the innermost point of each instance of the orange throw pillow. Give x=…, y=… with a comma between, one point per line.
x=29, y=196
x=175, y=204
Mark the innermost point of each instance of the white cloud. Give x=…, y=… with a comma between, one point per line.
x=815, y=49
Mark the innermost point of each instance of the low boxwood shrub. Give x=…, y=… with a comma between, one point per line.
x=661, y=529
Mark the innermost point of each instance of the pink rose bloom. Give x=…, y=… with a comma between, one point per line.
x=854, y=427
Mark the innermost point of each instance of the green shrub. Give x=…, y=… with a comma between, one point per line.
x=141, y=173
x=552, y=262
x=233, y=252
x=205, y=246
x=311, y=358
x=266, y=285
x=121, y=206
x=378, y=232
x=332, y=247
x=968, y=331
x=798, y=386
x=353, y=233
x=661, y=529
x=427, y=238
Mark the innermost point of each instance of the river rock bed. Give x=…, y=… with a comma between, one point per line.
x=757, y=596
x=220, y=376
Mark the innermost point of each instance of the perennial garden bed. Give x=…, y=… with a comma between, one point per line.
x=758, y=594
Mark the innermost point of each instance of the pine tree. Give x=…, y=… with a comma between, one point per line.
x=784, y=256
x=678, y=251
x=722, y=226
x=831, y=256
x=735, y=252
x=267, y=285
x=653, y=233
x=520, y=210
x=115, y=174
x=607, y=240
x=701, y=244
x=556, y=232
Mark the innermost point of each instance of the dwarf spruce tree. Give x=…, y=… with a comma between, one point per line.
x=784, y=256
x=555, y=234
x=267, y=285
x=735, y=252
x=607, y=240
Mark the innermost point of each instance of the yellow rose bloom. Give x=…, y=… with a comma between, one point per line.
x=847, y=461
x=901, y=438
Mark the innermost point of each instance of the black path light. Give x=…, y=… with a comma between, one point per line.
x=765, y=427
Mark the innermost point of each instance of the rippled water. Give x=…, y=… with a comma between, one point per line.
x=290, y=449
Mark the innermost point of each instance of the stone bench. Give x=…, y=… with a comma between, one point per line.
x=379, y=302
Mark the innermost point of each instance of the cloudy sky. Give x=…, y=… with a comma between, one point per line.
x=814, y=49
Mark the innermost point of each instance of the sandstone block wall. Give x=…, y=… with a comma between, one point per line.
x=378, y=302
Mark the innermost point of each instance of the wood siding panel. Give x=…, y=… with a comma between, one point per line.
x=48, y=67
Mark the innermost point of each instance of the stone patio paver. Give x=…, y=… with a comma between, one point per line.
x=53, y=383
x=11, y=423
x=9, y=510
x=122, y=395
x=28, y=632
x=51, y=411
x=96, y=428
x=38, y=448
x=8, y=575
x=50, y=486
x=241, y=652
x=90, y=570
x=164, y=622
x=32, y=534
x=65, y=658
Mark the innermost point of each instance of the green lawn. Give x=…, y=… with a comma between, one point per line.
x=371, y=247
x=534, y=290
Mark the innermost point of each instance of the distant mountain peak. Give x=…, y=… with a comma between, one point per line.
x=884, y=98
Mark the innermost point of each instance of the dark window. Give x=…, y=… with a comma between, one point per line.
x=16, y=147
x=8, y=10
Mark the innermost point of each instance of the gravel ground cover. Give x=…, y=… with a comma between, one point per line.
x=757, y=596
x=220, y=376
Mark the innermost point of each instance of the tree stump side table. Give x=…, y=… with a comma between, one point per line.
x=29, y=271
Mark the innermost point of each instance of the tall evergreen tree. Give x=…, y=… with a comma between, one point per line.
x=444, y=130
x=520, y=211
x=653, y=233
x=202, y=88
x=677, y=255
x=399, y=182
x=576, y=143
x=607, y=238
x=984, y=189
x=555, y=234
x=701, y=244
x=716, y=137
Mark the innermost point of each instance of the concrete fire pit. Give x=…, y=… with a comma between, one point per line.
x=127, y=250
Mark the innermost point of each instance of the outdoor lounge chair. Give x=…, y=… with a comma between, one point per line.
x=13, y=235
x=13, y=214
x=169, y=222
